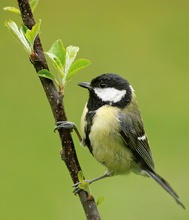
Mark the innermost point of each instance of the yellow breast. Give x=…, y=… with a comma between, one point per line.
x=107, y=144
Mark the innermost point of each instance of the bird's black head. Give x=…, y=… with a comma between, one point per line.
x=108, y=89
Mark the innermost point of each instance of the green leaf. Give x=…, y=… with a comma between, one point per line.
x=18, y=34
x=59, y=51
x=83, y=184
x=100, y=200
x=32, y=34
x=33, y=4
x=24, y=28
x=71, y=53
x=12, y=9
x=46, y=74
x=76, y=66
x=56, y=62
x=80, y=176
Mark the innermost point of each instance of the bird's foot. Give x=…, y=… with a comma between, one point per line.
x=68, y=125
x=65, y=125
x=83, y=185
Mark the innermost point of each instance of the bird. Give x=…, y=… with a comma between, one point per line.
x=112, y=128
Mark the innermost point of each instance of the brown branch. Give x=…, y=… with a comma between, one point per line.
x=56, y=102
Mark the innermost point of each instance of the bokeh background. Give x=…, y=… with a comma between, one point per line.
x=145, y=41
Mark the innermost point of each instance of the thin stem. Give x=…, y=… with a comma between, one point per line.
x=37, y=58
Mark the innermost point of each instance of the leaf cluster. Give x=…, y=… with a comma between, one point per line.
x=63, y=59
x=24, y=35
x=64, y=62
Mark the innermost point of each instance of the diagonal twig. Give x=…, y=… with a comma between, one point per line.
x=56, y=103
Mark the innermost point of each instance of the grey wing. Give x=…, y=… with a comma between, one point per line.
x=134, y=137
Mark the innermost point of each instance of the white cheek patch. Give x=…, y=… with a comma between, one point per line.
x=110, y=94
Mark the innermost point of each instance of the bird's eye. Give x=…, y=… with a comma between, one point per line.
x=102, y=85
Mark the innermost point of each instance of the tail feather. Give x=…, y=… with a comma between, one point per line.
x=165, y=185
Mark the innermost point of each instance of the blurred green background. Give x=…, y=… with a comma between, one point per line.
x=145, y=41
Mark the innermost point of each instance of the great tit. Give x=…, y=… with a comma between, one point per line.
x=113, y=130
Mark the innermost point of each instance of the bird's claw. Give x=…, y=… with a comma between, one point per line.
x=84, y=185
x=76, y=184
x=76, y=190
x=65, y=125
x=68, y=125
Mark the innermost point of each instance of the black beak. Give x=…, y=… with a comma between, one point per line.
x=86, y=85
